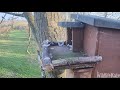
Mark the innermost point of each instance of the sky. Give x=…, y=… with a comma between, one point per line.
x=9, y=16
x=114, y=15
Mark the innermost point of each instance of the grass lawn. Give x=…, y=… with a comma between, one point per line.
x=15, y=62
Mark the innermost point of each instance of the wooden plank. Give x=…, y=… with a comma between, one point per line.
x=77, y=39
x=71, y=24
x=83, y=73
x=76, y=66
x=76, y=61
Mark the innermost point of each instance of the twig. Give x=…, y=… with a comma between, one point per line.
x=29, y=40
x=15, y=14
x=3, y=18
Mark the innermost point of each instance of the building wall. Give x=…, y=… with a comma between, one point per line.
x=109, y=49
x=90, y=40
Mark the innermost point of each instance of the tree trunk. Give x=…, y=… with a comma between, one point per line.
x=47, y=26
x=56, y=32
x=44, y=26
x=41, y=21
x=29, y=17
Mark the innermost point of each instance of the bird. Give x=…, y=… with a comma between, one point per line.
x=60, y=43
x=45, y=43
x=70, y=46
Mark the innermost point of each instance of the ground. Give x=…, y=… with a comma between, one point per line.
x=15, y=62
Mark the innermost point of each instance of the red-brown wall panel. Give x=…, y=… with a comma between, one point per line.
x=77, y=39
x=90, y=40
x=109, y=49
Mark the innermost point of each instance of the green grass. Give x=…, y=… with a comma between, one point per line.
x=15, y=62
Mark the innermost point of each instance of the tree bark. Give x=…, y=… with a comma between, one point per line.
x=29, y=17
x=47, y=25
x=42, y=26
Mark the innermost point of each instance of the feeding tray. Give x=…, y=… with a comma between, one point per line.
x=62, y=56
x=63, y=52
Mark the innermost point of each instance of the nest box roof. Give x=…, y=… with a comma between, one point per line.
x=71, y=24
x=97, y=21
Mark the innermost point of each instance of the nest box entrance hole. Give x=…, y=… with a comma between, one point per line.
x=69, y=36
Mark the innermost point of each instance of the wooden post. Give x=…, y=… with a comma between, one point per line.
x=76, y=61
x=77, y=39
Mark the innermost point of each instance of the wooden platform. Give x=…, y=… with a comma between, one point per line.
x=56, y=59
x=62, y=52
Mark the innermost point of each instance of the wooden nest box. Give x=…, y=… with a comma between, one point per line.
x=97, y=38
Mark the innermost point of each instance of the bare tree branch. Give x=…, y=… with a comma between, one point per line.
x=3, y=18
x=29, y=39
x=15, y=14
